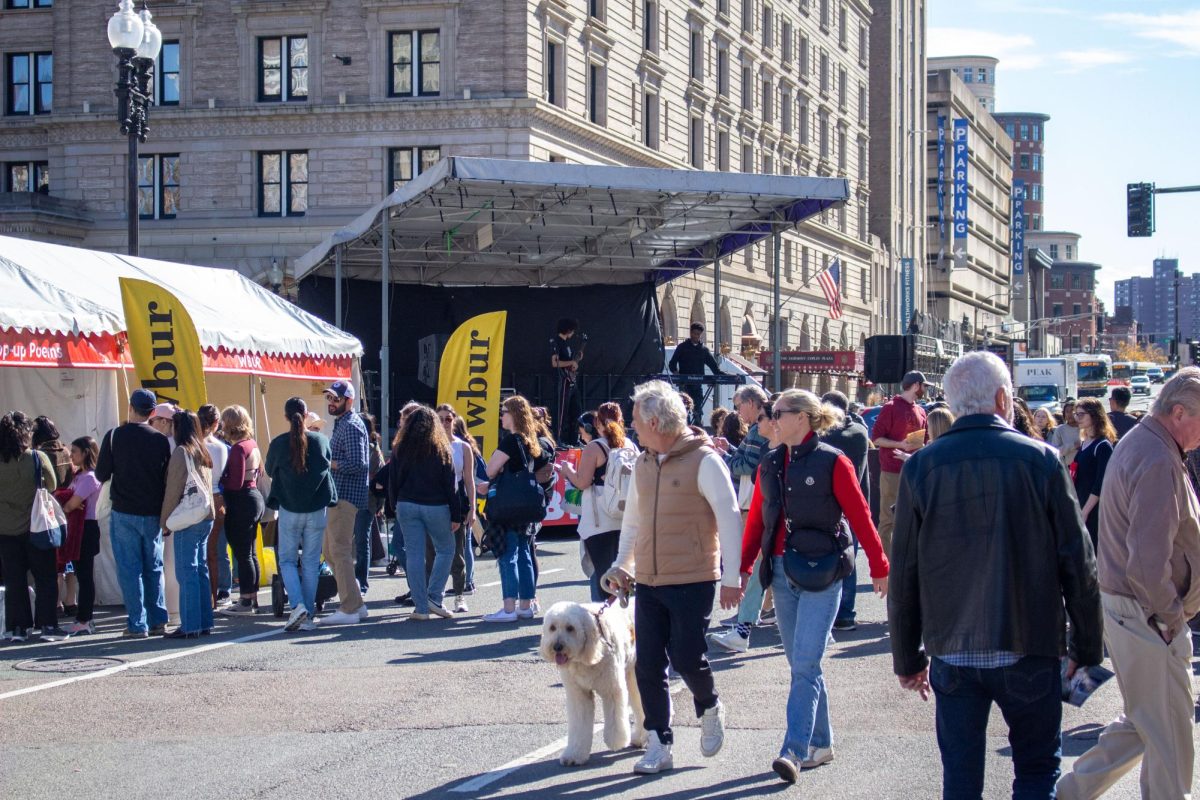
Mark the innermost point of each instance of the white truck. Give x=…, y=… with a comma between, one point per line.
x=1045, y=382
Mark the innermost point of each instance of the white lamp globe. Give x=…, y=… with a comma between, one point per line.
x=151, y=42
x=125, y=28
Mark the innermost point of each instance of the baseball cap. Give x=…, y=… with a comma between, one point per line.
x=313, y=421
x=163, y=411
x=341, y=389
x=142, y=401
x=912, y=378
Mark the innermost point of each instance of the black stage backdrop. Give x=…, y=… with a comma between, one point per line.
x=624, y=338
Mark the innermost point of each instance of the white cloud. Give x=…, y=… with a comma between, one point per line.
x=1015, y=51
x=1181, y=29
x=1080, y=60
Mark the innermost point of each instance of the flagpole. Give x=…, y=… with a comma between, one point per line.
x=777, y=361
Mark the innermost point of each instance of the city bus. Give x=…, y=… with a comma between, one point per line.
x=1094, y=371
x=1122, y=371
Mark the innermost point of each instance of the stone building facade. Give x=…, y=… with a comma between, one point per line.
x=282, y=120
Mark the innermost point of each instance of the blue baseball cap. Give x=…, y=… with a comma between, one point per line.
x=142, y=401
x=343, y=390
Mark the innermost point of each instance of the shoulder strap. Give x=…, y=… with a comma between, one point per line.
x=37, y=470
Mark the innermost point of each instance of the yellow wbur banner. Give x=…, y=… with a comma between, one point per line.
x=164, y=345
x=469, y=376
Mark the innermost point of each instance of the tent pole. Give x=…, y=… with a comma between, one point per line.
x=777, y=358
x=385, y=279
x=717, y=305
x=337, y=286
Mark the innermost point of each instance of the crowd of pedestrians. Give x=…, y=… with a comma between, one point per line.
x=1014, y=547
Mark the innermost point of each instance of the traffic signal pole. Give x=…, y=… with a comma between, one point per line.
x=1140, y=206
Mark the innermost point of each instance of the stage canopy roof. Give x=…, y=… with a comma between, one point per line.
x=494, y=222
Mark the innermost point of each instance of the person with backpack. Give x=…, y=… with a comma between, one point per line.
x=189, y=480
x=605, y=466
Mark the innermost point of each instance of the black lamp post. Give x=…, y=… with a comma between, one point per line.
x=136, y=41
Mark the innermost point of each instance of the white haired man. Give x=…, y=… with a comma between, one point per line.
x=1149, y=547
x=681, y=517
x=990, y=550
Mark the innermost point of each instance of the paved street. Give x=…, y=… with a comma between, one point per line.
x=438, y=709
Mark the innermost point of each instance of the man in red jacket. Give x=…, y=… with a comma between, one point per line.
x=899, y=417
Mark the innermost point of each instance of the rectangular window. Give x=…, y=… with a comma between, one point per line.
x=768, y=27
x=1037, y=133
x=723, y=71
x=696, y=143
x=696, y=56
x=968, y=75
x=805, y=58
x=555, y=74
x=27, y=176
x=747, y=158
x=1035, y=191
x=650, y=26
x=824, y=72
x=862, y=44
x=723, y=150
x=983, y=75
x=824, y=135
x=1037, y=163
x=1076, y=284
x=1024, y=162
x=825, y=14
x=279, y=82
x=862, y=160
x=785, y=33
x=650, y=120
x=283, y=183
x=1057, y=312
x=842, y=98
x=841, y=151
x=723, y=7
x=747, y=16
x=1057, y=282
x=28, y=3
x=30, y=83
x=596, y=9
x=785, y=112
x=1076, y=309
x=1054, y=255
x=802, y=122
x=1024, y=132
x=1011, y=130
x=843, y=32
x=419, y=76
x=597, y=93
x=405, y=163
x=747, y=88
x=166, y=75
x=1070, y=252
x=768, y=106
x=768, y=164
x=158, y=186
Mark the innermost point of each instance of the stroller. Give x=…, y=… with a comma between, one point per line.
x=326, y=583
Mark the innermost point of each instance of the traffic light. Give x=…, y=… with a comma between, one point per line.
x=1193, y=352
x=1140, y=205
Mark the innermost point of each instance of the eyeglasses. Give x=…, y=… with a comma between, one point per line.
x=779, y=412
x=1080, y=414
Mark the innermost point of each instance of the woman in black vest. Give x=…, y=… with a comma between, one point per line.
x=804, y=495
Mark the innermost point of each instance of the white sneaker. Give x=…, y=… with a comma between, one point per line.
x=308, y=625
x=731, y=640
x=657, y=758
x=460, y=605
x=441, y=611
x=501, y=616
x=77, y=628
x=816, y=757
x=299, y=614
x=526, y=613
x=712, y=730
x=363, y=612
x=341, y=618
x=787, y=767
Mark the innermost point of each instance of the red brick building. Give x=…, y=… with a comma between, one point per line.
x=1072, y=305
x=1027, y=130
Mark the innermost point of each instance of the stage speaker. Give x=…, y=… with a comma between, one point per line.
x=886, y=359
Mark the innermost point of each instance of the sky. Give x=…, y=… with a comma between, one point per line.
x=1120, y=80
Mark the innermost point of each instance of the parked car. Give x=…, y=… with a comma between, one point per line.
x=1139, y=384
x=1156, y=375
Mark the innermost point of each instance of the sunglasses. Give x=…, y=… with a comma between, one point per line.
x=779, y=412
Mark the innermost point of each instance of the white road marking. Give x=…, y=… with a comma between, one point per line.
x=104, y=673
x=480, y=781
x=497, y=583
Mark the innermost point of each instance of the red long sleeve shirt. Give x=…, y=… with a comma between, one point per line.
x=849, y=496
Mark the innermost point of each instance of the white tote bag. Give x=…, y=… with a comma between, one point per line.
x=196, y=505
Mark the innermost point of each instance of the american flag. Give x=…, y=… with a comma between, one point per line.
x=831, y=281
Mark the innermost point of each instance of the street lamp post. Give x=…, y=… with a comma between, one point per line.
x=136, y=41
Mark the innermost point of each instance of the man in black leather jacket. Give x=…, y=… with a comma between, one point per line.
x=852, y=438
x=989, y=551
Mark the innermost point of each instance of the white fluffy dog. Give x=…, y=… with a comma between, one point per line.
x=593, y=647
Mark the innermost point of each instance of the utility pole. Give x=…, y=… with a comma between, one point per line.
x=1175, y=341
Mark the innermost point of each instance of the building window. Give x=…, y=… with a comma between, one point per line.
x=843, y=33
x=1054, y=255
x=556, y=94
x=650, y=26
x=1011, y=130
x=842, y=98
x=747, y=16
x=279, y=83
x=983, y=75
x=696, y=142
x=415, y=77
x=1024, y=161
x=862, y=44
x=824, y=72
x=1076, y=283
x=785, y=33
x=27, y=176
x=747, y=158
x=596, y=9
x=723, y=71
x=1037, y=133
x=723, y=7
x=785, y=111
x=283, y=183
x=768, y=27
x=841, y=151
x=862, y=103
x=28, y=3
x=166, y=75
x=768, y=96
x=405, y=163
x=650, y=120
x=747, y=88
x=1057, y=312
x=823, y=140
x=1057, y=281
x=158, y=186
x=805, y=58
x=696, y=56
x=597, y=93
x=862, y=160
x=825, y=14
x=1035, y=191
x=1070, y=252
x=802, y=121
x=1037, y=163
x=1024, y=131
x=768, y=165
x=968, y=75
x=723, y=150
x=1076, y=309
x=30, y=83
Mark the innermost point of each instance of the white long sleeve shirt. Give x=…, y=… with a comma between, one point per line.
x=717, y=488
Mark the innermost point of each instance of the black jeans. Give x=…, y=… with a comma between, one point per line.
x=243, y=509
x=569, y=409
x=670, y=622
x=19, y=557
x=1029, y=694
x=85, y=574
x=602, y=550
x=697, y=395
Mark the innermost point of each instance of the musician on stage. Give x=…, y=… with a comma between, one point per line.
x=565, y=358
x=690, y=358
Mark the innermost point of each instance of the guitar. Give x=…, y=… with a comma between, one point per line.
x=571, y=374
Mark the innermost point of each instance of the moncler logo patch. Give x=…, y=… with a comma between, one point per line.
x=809, y=481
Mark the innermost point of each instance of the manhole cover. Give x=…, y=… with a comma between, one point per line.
x=67, y=664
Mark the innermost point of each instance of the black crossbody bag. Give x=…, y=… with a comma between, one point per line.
x=814, y=559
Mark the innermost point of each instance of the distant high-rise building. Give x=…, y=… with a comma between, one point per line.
x=1027, y=130
x=977, y=72
x=1152, y=301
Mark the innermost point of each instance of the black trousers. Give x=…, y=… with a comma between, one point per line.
x=602, y=550
x=671, y=622
x=85, y=570
x=697, y=395
x=569, y=409
x=243, y=509
x=20, y=557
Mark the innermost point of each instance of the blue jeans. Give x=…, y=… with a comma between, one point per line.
x=469, y=556
x=138, y=550
x=1029, y=694
x=191, y=570
x=362, y=547
x=516, y=567
x=224, y=566
x=752, y=600
x=417, y=522
x=805, y=620
x=301, y=537
x=849, y=590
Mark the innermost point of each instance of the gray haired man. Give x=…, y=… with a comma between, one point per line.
x=1149, y=555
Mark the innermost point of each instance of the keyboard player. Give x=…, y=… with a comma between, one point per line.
x=691, y=356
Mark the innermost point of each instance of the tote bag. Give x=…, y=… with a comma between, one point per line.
x=47, y=521
x=196, y=505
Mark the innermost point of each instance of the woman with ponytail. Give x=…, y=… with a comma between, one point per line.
x=302, y=490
